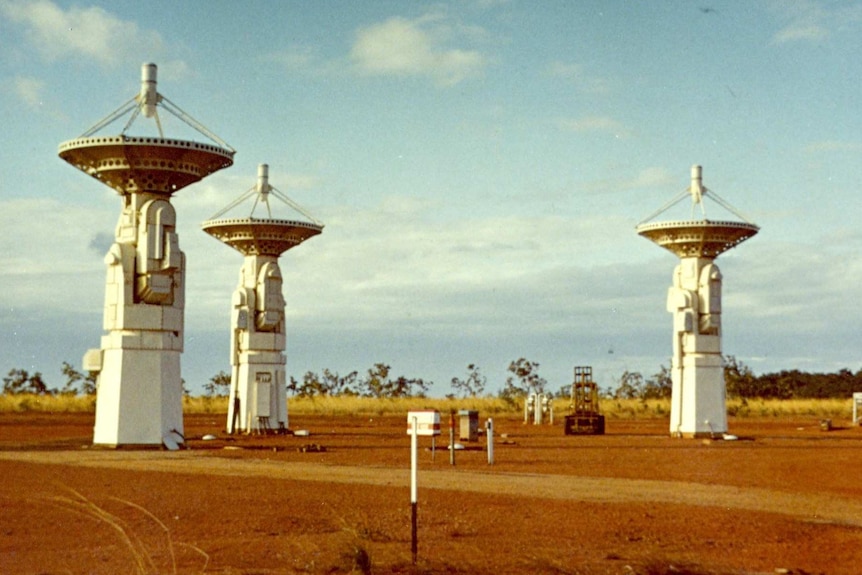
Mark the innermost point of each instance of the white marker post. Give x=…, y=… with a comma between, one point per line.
x=489, y=432
x=425, y=422
x=452, y=437
x=414, y=475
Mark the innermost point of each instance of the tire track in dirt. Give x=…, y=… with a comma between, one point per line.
x=821, y=508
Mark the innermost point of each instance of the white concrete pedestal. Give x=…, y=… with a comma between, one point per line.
x=139, y=391
x=140, y=398
x=258, y=398
x=698, y=399
x=260, y=387
x=698, y=406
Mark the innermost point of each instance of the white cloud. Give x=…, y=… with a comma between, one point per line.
x=775, y=288
x=575, y=74
x=29, y=90
x=801, y=20
x=539, y=286
x=174, y=70
x=49, y=255
x=789, y=302
x=35, y=96
x=601, y=124
x=297, y=58
x=91, y=32
x=294, y=57
x=384, y=266
x=833, y=146
x=222, y=189
x=651, y=178
x=393, y=264
x=800, y=31
x=403, y=47
x=805, y=20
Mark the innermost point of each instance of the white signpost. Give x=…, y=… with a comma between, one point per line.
x=422, y=422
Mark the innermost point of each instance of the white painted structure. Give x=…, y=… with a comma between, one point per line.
x=857, y=408
x=425, y=422
x=698, y=399
x=139, y=386
x=258, y=391
x=538, y=406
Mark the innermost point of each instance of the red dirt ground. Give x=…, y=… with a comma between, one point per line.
x=784, y=498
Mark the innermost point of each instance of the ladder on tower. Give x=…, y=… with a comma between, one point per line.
x=586, y=418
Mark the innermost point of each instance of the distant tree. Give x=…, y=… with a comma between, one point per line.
x=524, y=380
x=378, y=383
x=473, y=386
x=630, y=386
x=77, y=382
x=739, y=381
x=310, y=386
x=409, y=387
x=330, y=383
x=335, y=384
x=218, y=385
x=16, y=381
x=795, y=383
x=843, y=383
x=20, y=381
x=292, y=386
x=659, y=386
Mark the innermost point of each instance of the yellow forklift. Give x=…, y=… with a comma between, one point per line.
x=585, y=418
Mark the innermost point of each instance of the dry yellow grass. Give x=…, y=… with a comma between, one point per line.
x=141, y=554
x=204, y=404
x=327, y=405
x=345, y=405
x=47, y=403
x=821, y=408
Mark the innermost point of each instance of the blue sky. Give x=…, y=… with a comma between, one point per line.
x=480, y=167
